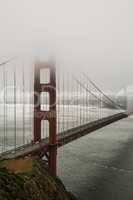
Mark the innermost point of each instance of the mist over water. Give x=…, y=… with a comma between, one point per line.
x=125, y=95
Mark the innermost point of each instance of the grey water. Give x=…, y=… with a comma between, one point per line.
x=99, y=166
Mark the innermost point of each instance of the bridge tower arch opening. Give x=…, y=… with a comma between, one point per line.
x=48, y=114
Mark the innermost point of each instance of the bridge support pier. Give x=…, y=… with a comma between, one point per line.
x=49, y=115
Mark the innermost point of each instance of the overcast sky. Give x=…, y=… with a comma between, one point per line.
x=95, y=36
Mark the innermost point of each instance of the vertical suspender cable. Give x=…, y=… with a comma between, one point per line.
x=77, y=104
x=14, y=86
x=31, y=100
x=23, y=105
x=58, y=101
x=63, y=90
x=80, y=104
x=4, y=89
x=87, y=105
x=68, y=99
x=31, y=96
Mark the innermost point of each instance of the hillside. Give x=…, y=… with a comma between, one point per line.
x=29, y=179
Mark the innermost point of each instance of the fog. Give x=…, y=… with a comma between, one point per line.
x=92, y=36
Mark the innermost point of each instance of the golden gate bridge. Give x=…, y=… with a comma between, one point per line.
x=44, y=107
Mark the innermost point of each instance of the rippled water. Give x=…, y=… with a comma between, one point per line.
x=100, y=165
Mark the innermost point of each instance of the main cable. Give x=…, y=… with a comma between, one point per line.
x=101, y=91
x=82, y=85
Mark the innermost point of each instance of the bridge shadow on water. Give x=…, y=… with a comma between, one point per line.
x=101, y=165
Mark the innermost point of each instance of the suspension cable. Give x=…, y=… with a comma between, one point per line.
x=100, y=90
x=82, y=85
x=8, y=61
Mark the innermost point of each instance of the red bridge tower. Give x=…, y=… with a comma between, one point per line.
x=49, y=115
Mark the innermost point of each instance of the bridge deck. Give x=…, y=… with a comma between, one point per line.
x=63, y=137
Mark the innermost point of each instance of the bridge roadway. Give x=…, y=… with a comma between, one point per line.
x=63, y=137
x=99, y=166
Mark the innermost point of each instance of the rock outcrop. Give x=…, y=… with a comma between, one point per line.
x=29, y=179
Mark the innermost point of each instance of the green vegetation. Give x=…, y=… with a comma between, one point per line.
x=29, y=179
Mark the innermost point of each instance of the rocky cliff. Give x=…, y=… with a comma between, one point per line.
x=29, y=179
